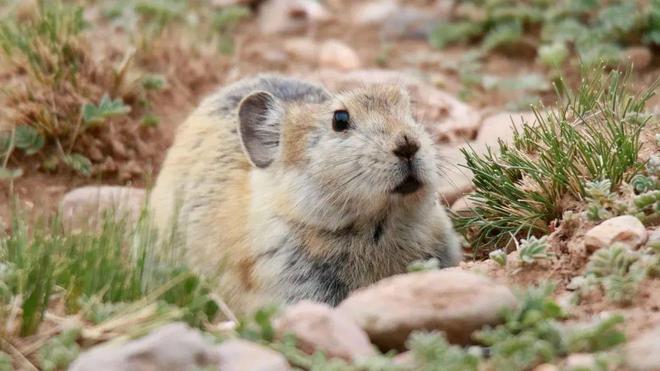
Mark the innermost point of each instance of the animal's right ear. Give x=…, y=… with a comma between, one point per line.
x=259, y=117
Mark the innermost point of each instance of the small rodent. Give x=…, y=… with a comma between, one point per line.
x=280, y=191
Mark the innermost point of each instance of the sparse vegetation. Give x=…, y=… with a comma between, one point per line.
x=594, y=31
x=88, y=84
x=533, y=334
x=112, y=276
x=593, y=135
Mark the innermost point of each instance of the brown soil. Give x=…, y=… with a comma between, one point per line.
x=193, y=72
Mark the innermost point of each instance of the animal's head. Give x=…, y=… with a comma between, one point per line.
x=349, y=158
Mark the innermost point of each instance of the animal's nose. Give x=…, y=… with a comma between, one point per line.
x=406, y=148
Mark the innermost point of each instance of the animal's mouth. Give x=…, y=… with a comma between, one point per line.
x=409, y=185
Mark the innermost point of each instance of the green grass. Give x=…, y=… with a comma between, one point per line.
x=92, y=271
x=591, y=135
x=593, y=31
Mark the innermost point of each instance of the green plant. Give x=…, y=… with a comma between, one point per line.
x=499, y=256
x=617, y=270
x=593, y=31
x=432, y=352
x=532, y=334
x=60, y=350
x=533, y=249
x=224, y=22
x=56, y=78
x=96, y=114
x=424, y=265
x=520, y=187
x=114, y=266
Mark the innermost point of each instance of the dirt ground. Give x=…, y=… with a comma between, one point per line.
x=192, y=76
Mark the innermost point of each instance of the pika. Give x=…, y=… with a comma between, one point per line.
x=279, y=191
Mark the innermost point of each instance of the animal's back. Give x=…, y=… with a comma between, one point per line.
x=202, y=195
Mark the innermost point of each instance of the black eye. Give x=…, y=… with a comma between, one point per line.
x=340, y=120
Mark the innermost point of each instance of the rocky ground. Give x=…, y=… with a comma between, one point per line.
x=343, y=44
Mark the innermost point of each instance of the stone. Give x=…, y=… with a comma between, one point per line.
x=462, y=205
x=335, y=54
x=281, y=16
x=450, y=300
x=318, y=327
x=639, y=57
x=445, y=117
x=171, y=347
x=546, y=367
x=456, y=180
x=643, y=352
x=624, y=229
x=580, y=361
x=240, y=355
x=409, y=23
x=302, y=48
x=86, y=207
x=654, y=237
x=374, y=12
x=500, y=126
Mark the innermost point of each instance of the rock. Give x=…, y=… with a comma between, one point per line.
x=86, y=207
x=643, y=352
x=639, y=57
x=172, y=347
x=546, y=367
x=654, y=237
x=625, y=229
x=374, y=12
x=445, y=117
x=500, y=126
x=302, y=48
x=451, y=300
x=462, y=205
x=240, y=355
x=279, y=16
x=456, y=180
x=580, y=361
x=409, y=23
x=335, y=54
x=318, y=327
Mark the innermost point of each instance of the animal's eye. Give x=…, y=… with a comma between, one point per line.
x=340, y=120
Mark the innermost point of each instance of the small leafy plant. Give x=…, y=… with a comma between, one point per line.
x=617, y=270
x=532, y=333
x=533, y=249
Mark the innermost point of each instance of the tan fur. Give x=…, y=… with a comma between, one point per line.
x=321, y=219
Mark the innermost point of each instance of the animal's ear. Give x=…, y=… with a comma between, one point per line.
x=259, y=117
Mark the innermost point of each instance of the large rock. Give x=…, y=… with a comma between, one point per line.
x=451, y=300
x=277, y=16
x=86, y=207
x=374, y=12
x=318, y=327
x=241, y=355
x=335, y=54
x=643, y=353
x=172, y=347
x=445, y=117
x=624, y=229
x=176, y=347
x=500, y=126
x=303, y=48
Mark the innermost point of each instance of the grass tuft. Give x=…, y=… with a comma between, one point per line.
x=520, y=187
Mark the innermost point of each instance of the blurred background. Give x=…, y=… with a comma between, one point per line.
x=93, y=90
